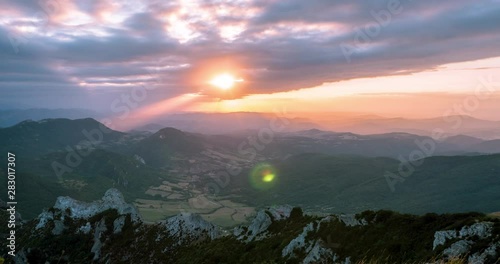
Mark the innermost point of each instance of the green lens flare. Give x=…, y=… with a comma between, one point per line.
x=263, y=176
x=268, y=177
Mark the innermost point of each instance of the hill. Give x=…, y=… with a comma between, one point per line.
x=31, y=138
x=343, y=184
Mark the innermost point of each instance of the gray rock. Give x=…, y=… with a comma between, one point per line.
x=480, y=257
x=482, y=230
x=238, y=231
x=258, y=226
x=297, y=243
x=43, y=219
x=262, y=221
x=280, y=212
x=458, y=248
x=350, y=220
x=85, y=229
x=319, y=254
x=118, y=224
x=186, y=226
x=440, y=237
x=112, y=199
x=58, y=227
x=96, y=248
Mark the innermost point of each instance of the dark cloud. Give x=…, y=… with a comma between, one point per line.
x=283, y=45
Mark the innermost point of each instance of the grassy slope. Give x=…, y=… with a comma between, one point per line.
x=353, y=184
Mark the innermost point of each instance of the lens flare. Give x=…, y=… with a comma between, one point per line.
x=268, y=177
x=263, y=176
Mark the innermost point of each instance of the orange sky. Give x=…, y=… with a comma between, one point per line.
x=424, y=94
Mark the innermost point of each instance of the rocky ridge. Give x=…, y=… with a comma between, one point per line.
x=111, y=231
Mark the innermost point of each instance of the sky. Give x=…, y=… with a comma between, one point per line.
x=387, y=57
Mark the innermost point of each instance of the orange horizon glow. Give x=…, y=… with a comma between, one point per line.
x=417, y=95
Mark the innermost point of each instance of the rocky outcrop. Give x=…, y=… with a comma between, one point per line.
x=115, y=236
x=481, y=230
x=350, y=220
x=319, y=254
x=118, y=224
x=458, y=249
x=440, y=237
x=468, y=236
x=188, y=226
x=264, y=218
x=69, y=207
x=481, y=257
x=299, y=242
x=96, y=247
x=112, y=199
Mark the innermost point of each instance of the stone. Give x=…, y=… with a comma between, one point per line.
x=85, y=229
x=118, y=224
x=319, y=254
x=58, y=227
x=96, y=247
x=299, y=242
x=112, y=199
x=187, y=226
x=458, y=248
x=263, y=219
x=482, y=230
x=350, y=220
x=43, y=219
x=440, y=237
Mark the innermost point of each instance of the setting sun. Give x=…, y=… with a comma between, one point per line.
x=224, y=81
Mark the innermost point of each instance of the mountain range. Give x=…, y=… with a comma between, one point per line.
x=322, y=171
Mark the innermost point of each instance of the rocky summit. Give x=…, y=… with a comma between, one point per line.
x=110, y=230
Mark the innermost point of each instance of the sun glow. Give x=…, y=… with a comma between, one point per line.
x=224, y=81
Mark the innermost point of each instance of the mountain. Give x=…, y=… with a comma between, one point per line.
x=379, y=145
x=158, y=149
x=491, y=146
x=31, y=138
x=319, y=170
x=109, y=230
x=14, y=116
x=224, y=123
x=449, y=125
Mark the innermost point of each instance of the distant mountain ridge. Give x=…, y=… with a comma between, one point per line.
x=49, y=135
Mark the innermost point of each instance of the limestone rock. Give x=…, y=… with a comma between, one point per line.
x=299, y=242
x=118, y=224
x=96, y=248
x=58, y=227
x=85, y=229
x=480, y=257
x=190, y=226
x=112, y=199
x=319, y=254
x=482, y=230
x=44, y=218
x=458, y=248
x=440, y=237
x=350, y=220
x=263, y=220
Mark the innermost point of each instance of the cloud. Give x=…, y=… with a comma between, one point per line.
x=109, y=46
